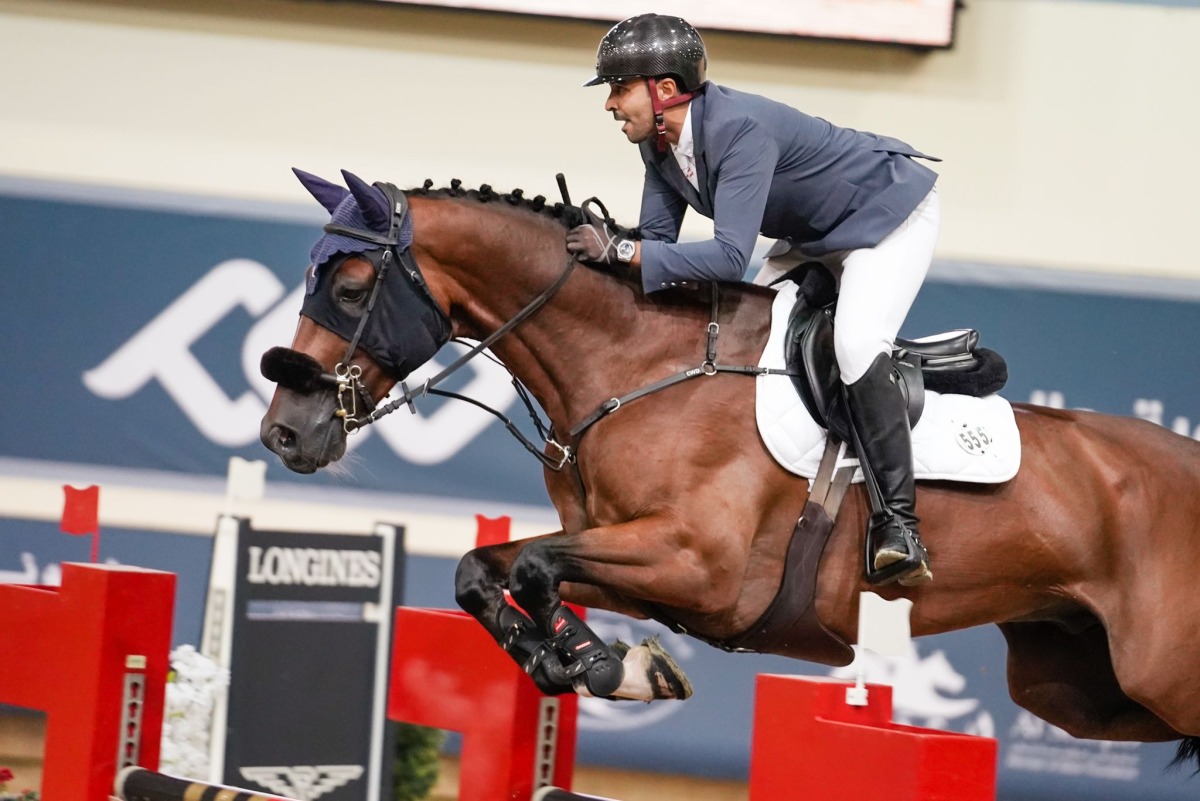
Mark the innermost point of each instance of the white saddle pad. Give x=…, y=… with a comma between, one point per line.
x=957, y=438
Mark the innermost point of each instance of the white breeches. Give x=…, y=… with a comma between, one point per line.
x=877, y=286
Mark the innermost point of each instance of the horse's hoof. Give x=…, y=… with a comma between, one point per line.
x=667, y=679
x=650, y=674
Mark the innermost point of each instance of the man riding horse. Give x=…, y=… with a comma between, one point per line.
x=855, y=201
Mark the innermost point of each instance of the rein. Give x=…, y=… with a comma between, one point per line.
x=427, y=388
x=347, y=376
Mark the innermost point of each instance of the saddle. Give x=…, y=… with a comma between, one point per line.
x=948, y=363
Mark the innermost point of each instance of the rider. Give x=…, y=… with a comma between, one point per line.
x=856, y=201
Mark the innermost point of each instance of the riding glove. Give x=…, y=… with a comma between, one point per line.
x=592, y=244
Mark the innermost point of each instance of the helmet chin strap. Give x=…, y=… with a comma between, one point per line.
x=659, y=107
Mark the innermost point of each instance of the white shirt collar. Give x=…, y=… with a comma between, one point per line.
x=683, y=152
x=686, y=144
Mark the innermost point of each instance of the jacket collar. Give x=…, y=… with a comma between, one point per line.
x=696, y=112
x=669, y=168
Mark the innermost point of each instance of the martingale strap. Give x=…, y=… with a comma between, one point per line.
x=708, y=367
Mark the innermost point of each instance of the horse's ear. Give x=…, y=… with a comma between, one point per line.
x=327, y=194
x=375, y=207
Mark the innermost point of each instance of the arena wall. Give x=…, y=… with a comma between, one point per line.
x=1065, y=126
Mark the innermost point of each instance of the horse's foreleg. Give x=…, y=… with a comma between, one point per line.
x=534, y=581
x=479, y=584
x=599, y=559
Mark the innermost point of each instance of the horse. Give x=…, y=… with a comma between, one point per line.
x=672, y=509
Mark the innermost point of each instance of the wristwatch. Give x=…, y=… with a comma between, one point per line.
x=625, y=250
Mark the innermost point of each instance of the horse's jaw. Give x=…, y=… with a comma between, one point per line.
x=303, y=431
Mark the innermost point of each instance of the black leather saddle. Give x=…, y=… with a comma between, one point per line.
x=949, y=363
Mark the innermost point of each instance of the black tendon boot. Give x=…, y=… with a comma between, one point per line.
x=883, y=441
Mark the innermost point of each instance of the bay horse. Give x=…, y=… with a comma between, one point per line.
x=671, y=507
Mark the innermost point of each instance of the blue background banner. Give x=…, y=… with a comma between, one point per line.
x=137, y=334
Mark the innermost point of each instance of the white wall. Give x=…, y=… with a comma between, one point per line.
x=1067, y=127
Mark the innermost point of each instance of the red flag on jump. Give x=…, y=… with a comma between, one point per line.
x=492, y=530
x=81, y=514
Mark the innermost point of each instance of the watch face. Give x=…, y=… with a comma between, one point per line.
x=625, y=250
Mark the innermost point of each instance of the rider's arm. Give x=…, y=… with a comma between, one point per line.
x=744, y=159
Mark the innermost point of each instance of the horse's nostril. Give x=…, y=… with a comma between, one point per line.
x=283, y=439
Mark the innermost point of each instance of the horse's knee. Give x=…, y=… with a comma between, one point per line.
x=532, y=576
x=474, y=584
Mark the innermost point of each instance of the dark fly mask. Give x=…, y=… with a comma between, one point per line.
x=401, y=327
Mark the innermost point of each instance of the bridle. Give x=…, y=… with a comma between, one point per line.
x=347, y=376
x=355, y=406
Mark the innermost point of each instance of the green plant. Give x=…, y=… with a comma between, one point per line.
x=416, y=760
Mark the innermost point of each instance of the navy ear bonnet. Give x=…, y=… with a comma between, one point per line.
x=349, y=215
x=404, y=327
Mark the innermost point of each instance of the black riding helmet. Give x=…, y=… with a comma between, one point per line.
x=651, y=46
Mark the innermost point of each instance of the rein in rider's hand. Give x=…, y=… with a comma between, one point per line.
x=592, y=244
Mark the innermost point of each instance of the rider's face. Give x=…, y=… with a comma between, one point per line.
x=629, y=102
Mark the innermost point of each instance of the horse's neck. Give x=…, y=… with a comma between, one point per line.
x=596, y=338
x=601, y=338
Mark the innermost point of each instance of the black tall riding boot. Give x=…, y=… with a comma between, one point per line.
x=879, y=417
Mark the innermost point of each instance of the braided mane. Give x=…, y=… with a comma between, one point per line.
x=565, y=215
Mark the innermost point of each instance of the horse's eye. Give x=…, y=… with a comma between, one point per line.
x=352, y=296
